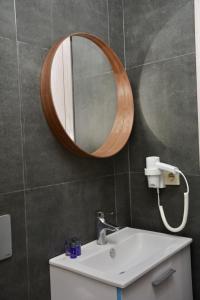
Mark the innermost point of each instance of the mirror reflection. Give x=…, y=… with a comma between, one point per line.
x=83, y=90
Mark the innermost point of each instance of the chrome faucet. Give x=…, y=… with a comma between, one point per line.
x=102, y=228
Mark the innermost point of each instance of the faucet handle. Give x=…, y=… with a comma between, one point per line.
x=101, y=214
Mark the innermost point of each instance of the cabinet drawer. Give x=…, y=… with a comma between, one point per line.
x=170, y=280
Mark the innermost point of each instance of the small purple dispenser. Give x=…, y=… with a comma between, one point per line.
x=73, y=250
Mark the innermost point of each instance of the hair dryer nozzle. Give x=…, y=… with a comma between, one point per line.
x=166, y=167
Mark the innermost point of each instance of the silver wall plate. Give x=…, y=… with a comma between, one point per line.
x=5, y=237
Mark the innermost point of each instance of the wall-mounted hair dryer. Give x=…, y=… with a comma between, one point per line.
x=154, y=172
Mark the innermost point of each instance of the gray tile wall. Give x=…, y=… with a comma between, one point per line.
x=47, y=190
x=50, y=193
x=160, y=60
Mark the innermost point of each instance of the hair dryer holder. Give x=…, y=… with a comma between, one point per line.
x=154, y=172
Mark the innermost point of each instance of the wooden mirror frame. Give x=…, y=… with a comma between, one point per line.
x=124, y=117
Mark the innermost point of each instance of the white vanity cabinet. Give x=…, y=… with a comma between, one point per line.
x=170, y=280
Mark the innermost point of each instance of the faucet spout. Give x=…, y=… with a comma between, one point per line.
x=102, y=228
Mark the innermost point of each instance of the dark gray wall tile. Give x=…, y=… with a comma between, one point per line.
x=34, y=21
x=155, y=30
x=166, y=114
x=7, y=19
x=116, y=34
x=61, y=210
x=13, y=271
x=123, y=200
x=10, y=131
x=57, y=213
x=121, y=160
x=43, y=153
x=79, y=16
x=145, y=214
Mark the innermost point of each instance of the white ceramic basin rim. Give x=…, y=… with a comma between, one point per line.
x=128, y=255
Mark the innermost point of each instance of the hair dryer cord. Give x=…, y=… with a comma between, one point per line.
x=186, y=207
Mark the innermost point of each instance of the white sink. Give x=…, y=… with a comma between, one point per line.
x=128, y=255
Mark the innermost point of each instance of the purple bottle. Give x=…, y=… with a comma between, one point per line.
x=73, y=250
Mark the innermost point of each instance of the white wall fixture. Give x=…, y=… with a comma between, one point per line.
x=197, y=43
x=155, y=173
x=171, y=179
x=5, y=237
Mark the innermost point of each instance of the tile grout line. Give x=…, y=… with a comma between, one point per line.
x=22, y=149
x=108, y=17
x=23, y=42
x=125, y=65
x=5, y=38
x=12, y=192
x=127, y=68
x=197, y=47
x=129, y=180
x=160, y=60
x=62, y=183
x=69, y=182
x=115, y=191
x=51, y=21
x=123, y=22
x=185, y=172
x=32, y=45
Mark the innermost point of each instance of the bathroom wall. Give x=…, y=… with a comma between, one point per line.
x=160, y=59
x=50, y=193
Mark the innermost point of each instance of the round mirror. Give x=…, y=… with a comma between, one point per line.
x=86, y=96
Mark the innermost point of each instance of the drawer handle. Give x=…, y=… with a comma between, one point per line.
x=163, y=277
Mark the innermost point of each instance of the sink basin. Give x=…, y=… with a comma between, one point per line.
x=128, y=255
